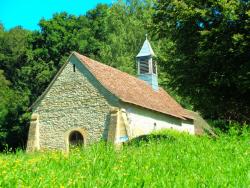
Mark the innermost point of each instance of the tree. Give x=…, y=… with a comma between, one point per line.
x=9, y=128
x=13, y=52
x=14, y=97
x=5, y=94
x=118, y=31
x=210, y=60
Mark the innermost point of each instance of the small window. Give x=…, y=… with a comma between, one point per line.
x=154, y=126
x=74, y=67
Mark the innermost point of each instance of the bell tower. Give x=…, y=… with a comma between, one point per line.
x=146, y=66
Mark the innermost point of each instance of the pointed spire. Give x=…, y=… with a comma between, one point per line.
x=146, y=49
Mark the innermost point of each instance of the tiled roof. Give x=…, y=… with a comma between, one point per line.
x=132, y=90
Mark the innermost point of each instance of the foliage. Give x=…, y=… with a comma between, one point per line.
x=4, y=94
x=210, y=59
x=182, y=161
x=222, y=126
x=118, y=33
x=13, y=97
x=201, y=52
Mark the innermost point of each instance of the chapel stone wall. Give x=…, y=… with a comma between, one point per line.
x=76, y=100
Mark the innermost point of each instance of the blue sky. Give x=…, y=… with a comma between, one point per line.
x=27, y=13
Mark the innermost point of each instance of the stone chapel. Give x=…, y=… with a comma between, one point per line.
x=88, y=101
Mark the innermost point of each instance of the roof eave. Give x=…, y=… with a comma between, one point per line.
x=169, y=114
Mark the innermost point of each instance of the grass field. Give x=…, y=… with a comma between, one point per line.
x=177, y=160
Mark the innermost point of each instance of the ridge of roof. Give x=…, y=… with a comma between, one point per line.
x=130, y=89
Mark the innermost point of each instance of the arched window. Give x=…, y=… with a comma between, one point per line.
x=76, y=139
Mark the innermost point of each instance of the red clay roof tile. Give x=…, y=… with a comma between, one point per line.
x=132, y=90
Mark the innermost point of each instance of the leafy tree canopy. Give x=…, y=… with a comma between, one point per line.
x=210, y=60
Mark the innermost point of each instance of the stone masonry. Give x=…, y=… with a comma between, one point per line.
x=74, y=101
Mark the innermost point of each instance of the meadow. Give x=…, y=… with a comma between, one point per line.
x=169, y=160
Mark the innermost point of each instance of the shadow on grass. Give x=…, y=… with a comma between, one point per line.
x=150, y=138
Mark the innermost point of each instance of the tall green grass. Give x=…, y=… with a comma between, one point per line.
x=171, y=160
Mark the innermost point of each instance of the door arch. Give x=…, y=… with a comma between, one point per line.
x=76, y=139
